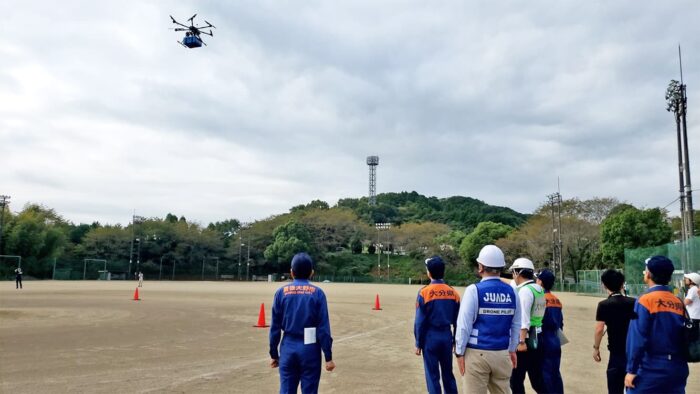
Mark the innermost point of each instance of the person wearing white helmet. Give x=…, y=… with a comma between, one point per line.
x=488, y=328
x=692, y=298
x=532, y=307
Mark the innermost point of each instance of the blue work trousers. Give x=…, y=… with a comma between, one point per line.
x=658, y=374
x=551, y=362
x=299, y=362
x=437, y=361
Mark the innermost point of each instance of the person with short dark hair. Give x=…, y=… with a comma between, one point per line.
x=656, y=361
x=437, y=307
x=615, y=313
x=550, y=344
x=300, y=311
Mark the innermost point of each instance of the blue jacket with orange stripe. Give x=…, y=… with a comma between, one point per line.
x=658, y=329
x=437, y=307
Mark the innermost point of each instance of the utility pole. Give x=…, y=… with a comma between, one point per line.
x=4, y=200
x=555, y=207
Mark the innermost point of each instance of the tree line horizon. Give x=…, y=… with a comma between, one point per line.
x=342, y=239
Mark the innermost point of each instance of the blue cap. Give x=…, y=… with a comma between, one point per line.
x=547, y=278
x=660, y=266
x=302, y=265
x=436, y=267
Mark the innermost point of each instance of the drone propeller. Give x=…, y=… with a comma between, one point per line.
x=191, y=19
x=176, y=22
x=180, y=29
x=209, y=33
x=210, y=25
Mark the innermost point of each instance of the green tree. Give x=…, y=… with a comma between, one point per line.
x=629, y=227
x=356, y=245
x=484, y=234
x=289, y=239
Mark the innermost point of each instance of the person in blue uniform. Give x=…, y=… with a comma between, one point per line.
x=552, y=322
x=437, y=307
x=656, y=360
x=488, y=327
x=300, y=311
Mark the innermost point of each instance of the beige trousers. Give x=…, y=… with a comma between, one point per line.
x=487, y=371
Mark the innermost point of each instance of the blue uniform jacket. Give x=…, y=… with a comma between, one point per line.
x=437, y=307
x=553, y=317
x=296, y=306
x=658, y=329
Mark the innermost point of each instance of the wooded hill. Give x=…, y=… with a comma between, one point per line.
x=342, y=239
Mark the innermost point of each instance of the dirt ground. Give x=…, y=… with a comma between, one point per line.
x=199, y=337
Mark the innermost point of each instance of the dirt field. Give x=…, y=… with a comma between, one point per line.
x=198, y=337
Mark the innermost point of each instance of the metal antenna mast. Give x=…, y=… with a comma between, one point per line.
x=372, y=162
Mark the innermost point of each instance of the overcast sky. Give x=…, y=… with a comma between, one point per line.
x=102, y=112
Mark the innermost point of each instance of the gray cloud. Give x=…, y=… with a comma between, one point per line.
x=107, y=113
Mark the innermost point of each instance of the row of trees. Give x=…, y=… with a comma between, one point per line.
x=342, y=238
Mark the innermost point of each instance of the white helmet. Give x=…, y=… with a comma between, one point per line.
x=522, y=263
x=491, y=256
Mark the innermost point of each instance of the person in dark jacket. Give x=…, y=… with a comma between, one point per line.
x=656, y=361
x=552, y=323
x=437, y=307
x=300, y=310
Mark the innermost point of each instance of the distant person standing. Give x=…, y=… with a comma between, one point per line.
x=552, y=323
x=532, y=307
x=140, y=279
x=487, y=328
x=614, y=313
x=656, y=361
x=300, y=311
x=692, y=299
x=437, y=307
x=18, y=278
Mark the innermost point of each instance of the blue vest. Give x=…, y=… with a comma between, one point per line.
x=491, y=330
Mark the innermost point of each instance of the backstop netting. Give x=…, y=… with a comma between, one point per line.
x=685, y=256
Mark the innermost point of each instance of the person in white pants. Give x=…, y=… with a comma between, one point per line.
x=140, y=279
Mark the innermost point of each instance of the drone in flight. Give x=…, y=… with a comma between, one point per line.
x=192, y=37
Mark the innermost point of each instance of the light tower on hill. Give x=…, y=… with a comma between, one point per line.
x=372, y=162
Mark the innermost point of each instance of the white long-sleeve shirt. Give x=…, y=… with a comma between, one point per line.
x=468, y=311
x=526, y=301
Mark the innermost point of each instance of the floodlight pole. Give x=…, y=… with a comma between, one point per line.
x=247, y=272
x=53, y=274
x=382, y=226
x=4, y=200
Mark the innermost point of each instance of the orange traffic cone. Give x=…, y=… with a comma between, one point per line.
x=261, y=317
x=377, y=307
x=136, y=295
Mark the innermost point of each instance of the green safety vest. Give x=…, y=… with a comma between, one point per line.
x=538, y=306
